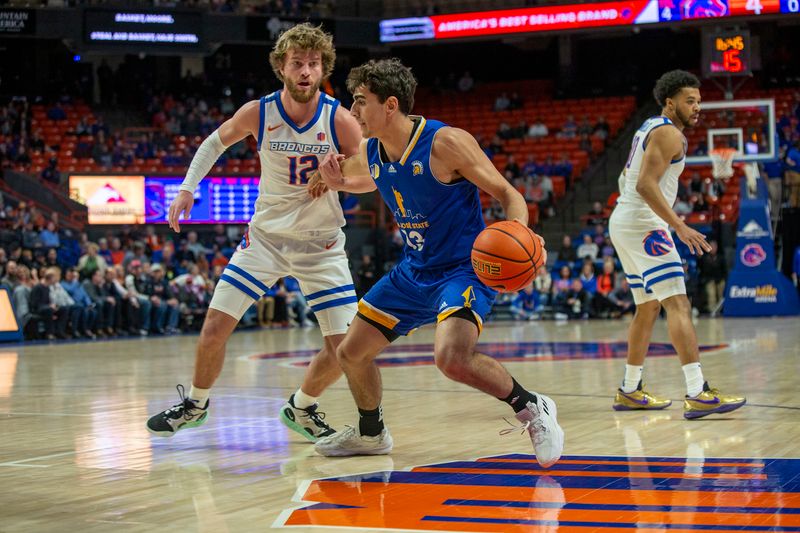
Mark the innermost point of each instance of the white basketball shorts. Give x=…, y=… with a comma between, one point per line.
x=319, y=264
x=652, y=264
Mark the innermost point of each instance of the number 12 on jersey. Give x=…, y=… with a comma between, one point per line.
x=299, y=168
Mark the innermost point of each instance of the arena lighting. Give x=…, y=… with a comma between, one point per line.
x=574, y=16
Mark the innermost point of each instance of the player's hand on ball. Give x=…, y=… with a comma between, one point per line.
x=695, y=240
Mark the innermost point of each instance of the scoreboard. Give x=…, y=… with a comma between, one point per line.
x=727, y=53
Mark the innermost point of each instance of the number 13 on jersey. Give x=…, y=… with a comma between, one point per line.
x=300, y=167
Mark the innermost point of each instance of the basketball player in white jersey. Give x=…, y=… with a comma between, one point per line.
x=639, y=229
x=290, y=234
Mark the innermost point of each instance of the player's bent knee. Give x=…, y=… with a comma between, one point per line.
x=217, y=327
x=450, y=362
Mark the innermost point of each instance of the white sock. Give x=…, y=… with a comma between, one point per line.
x=694, y=379
x=303, y=400
x=633, y=375
x=199, y=396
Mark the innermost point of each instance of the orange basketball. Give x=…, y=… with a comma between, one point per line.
x=507, y=255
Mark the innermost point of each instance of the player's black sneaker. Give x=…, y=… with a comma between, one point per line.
x=180, y=416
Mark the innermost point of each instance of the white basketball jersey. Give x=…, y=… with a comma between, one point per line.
x=289, y=154
x=630, y=202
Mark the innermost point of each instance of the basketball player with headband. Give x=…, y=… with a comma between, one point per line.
x=429, y=175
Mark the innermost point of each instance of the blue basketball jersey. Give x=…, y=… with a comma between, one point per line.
x=439, y=221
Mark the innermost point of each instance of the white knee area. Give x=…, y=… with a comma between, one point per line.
x=669, y=288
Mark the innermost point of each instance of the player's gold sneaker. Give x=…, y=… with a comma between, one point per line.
x=639, y=399
x=709, y=402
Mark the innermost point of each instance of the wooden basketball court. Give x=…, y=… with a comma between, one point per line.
x=75, y=455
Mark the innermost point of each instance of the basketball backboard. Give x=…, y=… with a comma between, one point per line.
x=748, y=126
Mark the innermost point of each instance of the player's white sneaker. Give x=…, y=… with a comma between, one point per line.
x=350, y=442
x=539, y=419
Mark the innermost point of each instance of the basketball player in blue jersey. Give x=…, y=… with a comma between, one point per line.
x=639, y=229
x=290, y=234
x=429, y=175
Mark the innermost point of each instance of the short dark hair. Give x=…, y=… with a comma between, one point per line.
x=385, y=78
x=671, y=84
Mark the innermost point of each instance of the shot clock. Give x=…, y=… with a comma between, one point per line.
x=727, y=53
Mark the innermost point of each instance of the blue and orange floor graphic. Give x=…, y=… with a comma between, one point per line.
x=512, y=493
x=422, y=354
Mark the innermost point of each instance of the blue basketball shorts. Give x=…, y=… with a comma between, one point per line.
x=407, y=298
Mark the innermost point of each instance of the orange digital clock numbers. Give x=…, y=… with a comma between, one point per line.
x=735, y=42
x=731, y=62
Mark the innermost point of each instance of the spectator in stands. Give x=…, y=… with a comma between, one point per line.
x=9, y=279
x=21, y=296
x=504, y=131
x=543, y=283
x=36, y=143
x=194, y=245
x=501, y=103
x=606, y=281
x=515, y=102
x=100, y=126
x=165, y=304
x=538, y=129
x=51, y=173
x=219, y=259
x=622, y=297
x=569, y=130
x=61, y=298
x=588, y=248
x=496, y=146
x=596, y=215
x=137, y=284
x=585, y=144
x=601, y=129
x=104, y=303
x=512, y=167
x=466, y=83
x=193, y=304
x=53, y=316
x=116, y=252
x=524, y=304
x=713, y=274
x=85, y=308
x=567, y=252
x=574, y=302
x=519, y=131
x=138, y=254
x=22, y=157
x=600, y=235
x=56, y=112
x=529, y=167
x=699, y=205
x=587, y=278
x=49, y=236
x=585, y=127
x=562, y=167
x=696, y=183
x=563, y=283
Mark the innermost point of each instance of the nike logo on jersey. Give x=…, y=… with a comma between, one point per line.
x=273, y=128
x=329, y=246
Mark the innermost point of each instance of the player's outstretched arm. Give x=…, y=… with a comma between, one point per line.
x=243, y=123
x=664, y=145
x=457, y=153
x=343, y=174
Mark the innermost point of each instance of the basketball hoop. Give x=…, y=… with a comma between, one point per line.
x=722, y=161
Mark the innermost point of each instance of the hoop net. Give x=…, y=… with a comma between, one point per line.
x=722, y=162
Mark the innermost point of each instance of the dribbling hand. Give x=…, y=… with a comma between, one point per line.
x=182, y=203
x=695, y=240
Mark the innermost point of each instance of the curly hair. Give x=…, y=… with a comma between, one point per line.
x=303, y=37
x=671, y=83
x=385, y=78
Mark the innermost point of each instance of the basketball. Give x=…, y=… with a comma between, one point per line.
x=507, y=255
